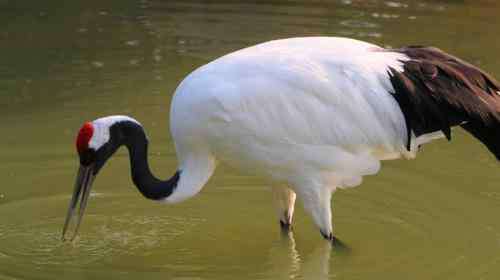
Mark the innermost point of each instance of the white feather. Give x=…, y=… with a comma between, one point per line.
x=101, y=127
x=297, y=108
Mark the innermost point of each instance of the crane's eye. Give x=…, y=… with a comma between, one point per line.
x=87, y=157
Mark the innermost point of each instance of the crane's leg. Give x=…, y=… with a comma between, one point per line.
x=284, y=201
x=317, y=202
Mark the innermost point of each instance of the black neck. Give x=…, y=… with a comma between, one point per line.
x=135, y=140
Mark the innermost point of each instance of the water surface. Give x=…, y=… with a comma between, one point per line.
x=64, y=63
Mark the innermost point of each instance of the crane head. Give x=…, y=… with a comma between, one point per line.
x=87, y=154
x=96, y=142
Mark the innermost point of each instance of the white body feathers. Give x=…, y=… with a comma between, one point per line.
x=295, y=109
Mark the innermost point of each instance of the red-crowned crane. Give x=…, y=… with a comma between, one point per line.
x=313, y=114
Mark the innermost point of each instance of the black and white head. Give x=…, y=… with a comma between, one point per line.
x=96, y=142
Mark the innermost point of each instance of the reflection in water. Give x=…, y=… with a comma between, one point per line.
x=287, y=263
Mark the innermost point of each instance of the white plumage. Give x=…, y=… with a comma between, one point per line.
x=101, y=133
x=314, y=113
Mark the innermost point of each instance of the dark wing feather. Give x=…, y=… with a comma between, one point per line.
x=437, y=91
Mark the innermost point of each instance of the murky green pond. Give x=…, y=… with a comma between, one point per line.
x=65, y=62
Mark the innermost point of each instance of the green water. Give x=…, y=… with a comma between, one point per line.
x=65, y=62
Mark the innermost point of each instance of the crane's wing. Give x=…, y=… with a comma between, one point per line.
x=437, y=91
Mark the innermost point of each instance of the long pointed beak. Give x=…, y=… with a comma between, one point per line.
x=81, y=192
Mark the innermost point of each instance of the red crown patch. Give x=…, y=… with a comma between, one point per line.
x=83, y=138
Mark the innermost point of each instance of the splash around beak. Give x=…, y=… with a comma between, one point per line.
x=83, y=184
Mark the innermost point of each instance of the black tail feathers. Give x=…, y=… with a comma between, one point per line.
x=488, y=135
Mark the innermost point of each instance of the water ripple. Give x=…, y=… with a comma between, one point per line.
x=103, y=237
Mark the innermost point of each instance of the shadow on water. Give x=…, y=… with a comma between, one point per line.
x=340, y=246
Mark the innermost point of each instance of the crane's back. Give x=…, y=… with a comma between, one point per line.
x=294, y=104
